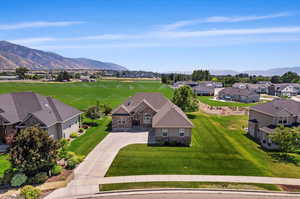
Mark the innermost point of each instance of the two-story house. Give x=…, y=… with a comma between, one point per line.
x=165, y=121
x=264, y=118
x=284, y=90
x=239, y=95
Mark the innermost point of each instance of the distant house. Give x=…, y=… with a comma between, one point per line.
x=185, y=83
x=285, y=89
x=25, y=109
x=86, y=79
x=203, y=90
x=8, y=77
x=258, y=88
x=166, y=122
x=264, y=118
x=239, y=95
x=211, y=84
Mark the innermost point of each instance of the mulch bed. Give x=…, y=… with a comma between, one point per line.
x=63, y=176
x=290, y=188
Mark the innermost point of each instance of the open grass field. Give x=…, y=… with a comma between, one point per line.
x=82, y=95
x=219, y=147
x=207, y=185
x=4, y=164
x=208, y=100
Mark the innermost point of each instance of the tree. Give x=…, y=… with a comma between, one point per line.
x=63, y=76
x=275, y=79
x=286, y=138
x=21, y=72
x=185, y=99
x=77, y=76
x=33, y=150
x=290, y=77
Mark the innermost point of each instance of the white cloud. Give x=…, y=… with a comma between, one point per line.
x=222, y=19
x=162, y=36
x=33, y=40
x=228, y=32
x=38, y=24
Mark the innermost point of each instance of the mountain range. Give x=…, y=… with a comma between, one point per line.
x=13, y=56
x=269, y=72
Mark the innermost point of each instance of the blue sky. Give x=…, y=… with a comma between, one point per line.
x=161, y=35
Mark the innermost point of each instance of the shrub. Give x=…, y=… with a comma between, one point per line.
x=8, y=175
x=56, y=170
x=18, y=180
x=30, y=192
x=74, y=160
x=62, y=152
x=92, y=124
x=40, y=178
x=81, y=130
x=85, y=126
x=74, y=135
x=106, y=109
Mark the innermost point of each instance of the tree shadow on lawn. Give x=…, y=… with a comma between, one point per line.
x=276, y=155
x=284, y=158
x=191, y=116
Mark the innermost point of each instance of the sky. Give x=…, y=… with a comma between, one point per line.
x=161, y=35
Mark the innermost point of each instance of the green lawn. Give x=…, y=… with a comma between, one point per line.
x=82, y=95
x=209, y=101
x=219, y=147
x=209, y=185
x=94, y=135
x=4, y=164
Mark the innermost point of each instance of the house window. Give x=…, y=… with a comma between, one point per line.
x=147, y=118
x=181, y=132
x=165, y=132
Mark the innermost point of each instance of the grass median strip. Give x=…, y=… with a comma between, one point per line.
x=208, y=185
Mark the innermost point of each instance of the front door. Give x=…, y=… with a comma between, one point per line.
x=136, y=123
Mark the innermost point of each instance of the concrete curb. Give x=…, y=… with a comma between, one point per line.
x=191, y=191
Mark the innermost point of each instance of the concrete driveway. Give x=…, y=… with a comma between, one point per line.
x=98, y=162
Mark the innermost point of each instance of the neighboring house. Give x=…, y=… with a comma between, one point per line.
x=264, y=118
x=185, y=83
x=284, y=90
x=8, y=77
x=258, y=88
x=86, y=79
x=25, y=109
x=211, y=84
x=239, y=85
x=239, y=95
x=166, y=122
x=203, y=90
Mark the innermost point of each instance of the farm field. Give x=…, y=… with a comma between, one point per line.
x=209, y=101
x=82, y=95
x=219, y=147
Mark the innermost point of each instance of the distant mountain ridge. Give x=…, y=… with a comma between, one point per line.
x=13, y=56
x=269, y=72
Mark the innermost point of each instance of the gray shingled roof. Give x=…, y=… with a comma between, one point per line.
x=203, y=88
x=279, y=105
x=236, y=91
x=168, y=114
x=16, y=107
